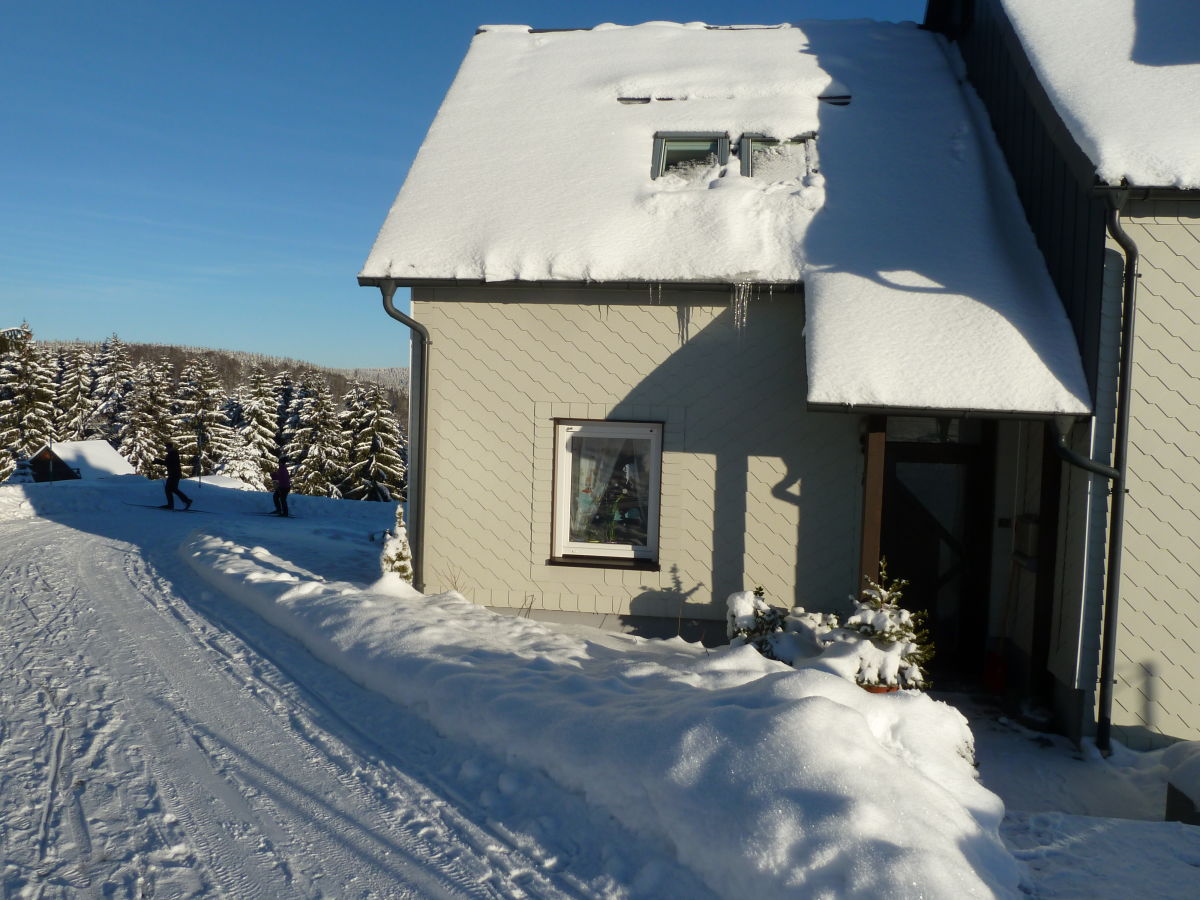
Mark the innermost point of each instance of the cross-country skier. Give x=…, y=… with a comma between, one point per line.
x=174, y=473
x=283, y=484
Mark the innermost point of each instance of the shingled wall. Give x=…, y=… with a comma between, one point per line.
x=755, y=489
x=1158, y=681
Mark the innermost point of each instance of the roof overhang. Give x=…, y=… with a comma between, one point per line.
x=715, y=286
x=940, y=413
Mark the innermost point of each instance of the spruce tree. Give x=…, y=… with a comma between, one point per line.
x=376, y=446
x=114, y=381
x=74, y=402
x=317, y=450
x=257, y=429
x=242, y=462
x=284, y=385
x=26, y=401
x=23, y=474
x=200, y=428
x=149, y=419
x=397, y=555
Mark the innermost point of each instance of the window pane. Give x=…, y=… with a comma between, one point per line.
x=684, y=156
x=776, y=161
x=610, y=490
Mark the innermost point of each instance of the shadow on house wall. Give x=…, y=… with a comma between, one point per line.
x=776, y=497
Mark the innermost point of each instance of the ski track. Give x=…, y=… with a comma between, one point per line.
x=149, y=747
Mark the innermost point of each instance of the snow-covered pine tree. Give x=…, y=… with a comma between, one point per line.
x=26, y=401
x=232, y=407
x=149, y=418
x=317, y=451
x=376, y=446
x=257, y=429
x=73, y=401
x=242, y=463
x=200, y=428
x=284, y=386
x=114, y=380
x=397, y=555
x=23, y=474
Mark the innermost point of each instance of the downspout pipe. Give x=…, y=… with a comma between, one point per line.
x=417, y=466
x=1117, y=474
x=1116, y=528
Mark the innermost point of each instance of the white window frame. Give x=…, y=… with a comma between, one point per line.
x=565, y=549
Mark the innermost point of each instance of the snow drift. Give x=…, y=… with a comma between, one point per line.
x=766, y=781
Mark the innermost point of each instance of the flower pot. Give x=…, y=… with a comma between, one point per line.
x=880, y=688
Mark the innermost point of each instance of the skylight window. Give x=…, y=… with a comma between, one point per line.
x=688, y=154
x=773, y=160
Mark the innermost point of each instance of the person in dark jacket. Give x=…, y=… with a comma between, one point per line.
x=174, y=473
x=283, y=485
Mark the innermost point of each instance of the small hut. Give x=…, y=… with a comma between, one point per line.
x=78, y=459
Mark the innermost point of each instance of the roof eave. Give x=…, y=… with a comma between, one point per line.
x=942, y=412
x=1135, y=192
x=628, y=284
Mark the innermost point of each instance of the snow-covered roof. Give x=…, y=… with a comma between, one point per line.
x=93, y=459
x=1124, y=76
x=922, y=290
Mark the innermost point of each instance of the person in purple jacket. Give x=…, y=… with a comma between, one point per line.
x=283, y=484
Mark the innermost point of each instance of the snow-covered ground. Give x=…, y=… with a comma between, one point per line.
x=214, y=703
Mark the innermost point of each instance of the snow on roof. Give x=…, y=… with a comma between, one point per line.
x=1124, y=76
x=93, y=459
x=534, y=170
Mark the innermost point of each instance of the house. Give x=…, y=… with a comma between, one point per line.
x=78, y=459
x=1097, y=111
x=701, y=308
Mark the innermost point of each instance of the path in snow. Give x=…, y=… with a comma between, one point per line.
x=157, y=740
x=1086, y=827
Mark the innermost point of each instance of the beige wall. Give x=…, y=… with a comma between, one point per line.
x=1158, y=660
x=755, y=490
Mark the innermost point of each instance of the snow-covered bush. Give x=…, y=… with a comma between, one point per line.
x=23, y=474
x=397, y=556
x=880, y=643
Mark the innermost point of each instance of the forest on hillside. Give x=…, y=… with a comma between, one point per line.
x=229, y=413
x=232, y=366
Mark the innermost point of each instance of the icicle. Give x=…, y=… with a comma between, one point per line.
x=740, y=303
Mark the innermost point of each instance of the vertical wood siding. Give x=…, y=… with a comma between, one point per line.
x=1053, y=177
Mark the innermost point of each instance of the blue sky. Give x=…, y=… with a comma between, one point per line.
x=213, y=173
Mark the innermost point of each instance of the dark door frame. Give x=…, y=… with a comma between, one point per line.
x=979, y=511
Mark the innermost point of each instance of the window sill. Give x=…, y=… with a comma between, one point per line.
x=605, y=562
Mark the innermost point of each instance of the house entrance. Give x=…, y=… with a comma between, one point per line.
x=936, y=533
